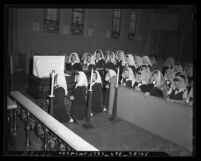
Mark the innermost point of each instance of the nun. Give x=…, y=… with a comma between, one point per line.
x=96, y=101
x=74, y=62
x=78, y=97
x=60, y=91
x=128, y=78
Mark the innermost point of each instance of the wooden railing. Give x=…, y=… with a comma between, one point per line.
x=50, y=124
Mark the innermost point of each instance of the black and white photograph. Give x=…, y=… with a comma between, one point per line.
x=93, y=81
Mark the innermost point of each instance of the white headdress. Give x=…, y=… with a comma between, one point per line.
x=102, y=55
x=82, y=80
x=113, y=60
x=98, y=79
x=130, y=59
x=61, y=81
x=111, y=73
x=84, y=55
x=92, y=61
x=77, y=58
x=146, y=60
x=159, y=80
x=121, y=56
x=131, y=75
x=169, y=61
x=138, y=60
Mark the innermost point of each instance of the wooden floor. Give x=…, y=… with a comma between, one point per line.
x=105, y=135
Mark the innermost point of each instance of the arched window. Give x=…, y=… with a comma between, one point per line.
x=132, y=25
x=51, y=20
x=77, y=25
x=116, y=23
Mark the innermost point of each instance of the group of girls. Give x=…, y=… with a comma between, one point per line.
x=136, y=72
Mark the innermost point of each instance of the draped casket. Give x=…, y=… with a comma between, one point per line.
x=172, y=121
x=39, y=83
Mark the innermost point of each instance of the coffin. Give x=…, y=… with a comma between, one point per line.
x=172, y=121
x=39, y=88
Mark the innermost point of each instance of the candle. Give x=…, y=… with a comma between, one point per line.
x=117, y=77
x=91, y=80
x=11, y=64
x=52, y=83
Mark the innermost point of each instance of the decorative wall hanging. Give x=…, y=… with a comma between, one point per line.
x=77, y=26
x=132, y=25
x=51, y=20
x=116, y=23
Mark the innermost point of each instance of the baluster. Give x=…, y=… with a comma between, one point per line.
x=46, y=139
x=28, y=143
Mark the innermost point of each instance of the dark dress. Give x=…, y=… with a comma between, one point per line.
x=178, y=96
x=107, y=94
x=119, y=64
x=59, y=107
x=78, y=107
x=154, y=91
x=96, y=98
x=128, y=82
x=74, y=67
x=110, y=65
x=101, y=64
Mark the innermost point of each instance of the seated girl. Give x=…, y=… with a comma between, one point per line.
x=138, y=62
x=178, y=92
x=130, y=62
x=178, y=69
x=145, y=75
x=128, y=78
x=74, y=63
x=189, y=99
x=138, y=82
x=110, y=61
x=156, y=85
x=188, y=71
x=78, y=97
x=99, y=62
x=168, y=77
x=96, y=100
x=120, y=57
x=169, y=63
x=146, y=61
x=60, y=91
x=88, y=62
x=110, y=75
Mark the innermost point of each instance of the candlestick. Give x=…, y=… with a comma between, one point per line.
x=11, y=64
x=91, y=80
x=117, y=77
x=52, y=83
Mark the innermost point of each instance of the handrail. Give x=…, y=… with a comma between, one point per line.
x=55, y=126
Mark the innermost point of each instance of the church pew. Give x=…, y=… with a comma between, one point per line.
x=172, y=121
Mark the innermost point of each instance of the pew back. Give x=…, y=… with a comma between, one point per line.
x=172, y=121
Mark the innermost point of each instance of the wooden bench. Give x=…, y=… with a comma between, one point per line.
x=172, y=121
x=51, y=123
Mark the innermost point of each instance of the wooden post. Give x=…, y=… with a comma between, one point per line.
x=51, y=106
x=114, y=109
x=45, y=139
x=88, y=124
x=28, y=143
